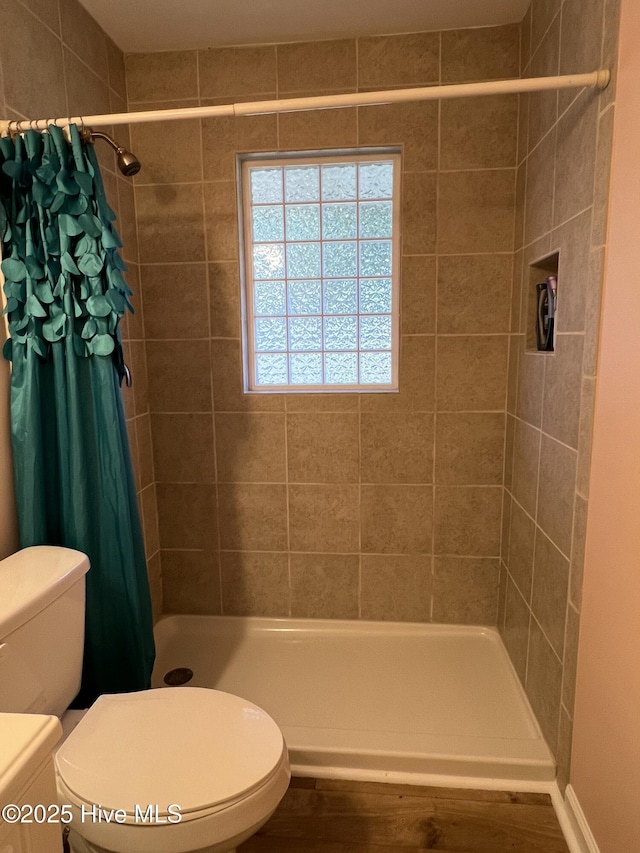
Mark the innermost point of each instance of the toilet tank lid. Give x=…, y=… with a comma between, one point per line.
x=34, y=577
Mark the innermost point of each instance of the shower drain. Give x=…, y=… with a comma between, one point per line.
x=178, y=676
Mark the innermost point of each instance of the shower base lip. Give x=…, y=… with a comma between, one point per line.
x=372, y=701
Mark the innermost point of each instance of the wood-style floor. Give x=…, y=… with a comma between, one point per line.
x=329, y=816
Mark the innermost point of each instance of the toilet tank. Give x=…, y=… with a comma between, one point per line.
x=42, y=593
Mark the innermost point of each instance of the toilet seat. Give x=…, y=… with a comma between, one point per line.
x=201, y=750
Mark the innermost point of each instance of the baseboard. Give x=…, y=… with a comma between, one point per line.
x=573, y=822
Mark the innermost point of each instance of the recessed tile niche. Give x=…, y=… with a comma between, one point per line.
x=539, y=338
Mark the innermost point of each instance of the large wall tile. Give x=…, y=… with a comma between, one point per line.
x=37, y=93
x=145, y=450
x=83, y=35
x=149, y=518
x=403, y=60
x=520, y=554
x=581, y=38
x=183, y=448
x=465, y=590
x=250, y=447
x=544, y=683
x=324, y=586
x=318, y=129
x=469, y=448
x=419, y=197
x=576, y=158
x=549, y=595
x=254, y=584
x=413, y=125
x=323, y=447
x=556, y=492
x=396, y=588
x=396, y=519
x=228, y=71
x=418, y=310
x=170, y=223
x=476, y=211
x=221, y=221
x=179, y=376
x=471, y=372
x=128, y=222
x=154, y=575
x=323, y=518
x=563, y=389
x=516, y=629
x=190, y=582
x=253, y=517
x=467, y=520
x=303, y=66
x=531, y=372
x=478, y=133
x=175, y=301
x=87, y=94
x=465, y=282
x=538, y=216
x=526, y=459
x=138, y=367
x=225, y=299
x=117, y=73
x=396, y=448
x=169, y=151
x=486, y=53
x=162, y=76
x=187, y=516
x=543, y=106
x=323, y=403
x=543, y=13
x=223, y=138
x=572, y=240
x=47, y=11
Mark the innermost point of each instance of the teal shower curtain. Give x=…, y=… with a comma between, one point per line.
x=65, y=295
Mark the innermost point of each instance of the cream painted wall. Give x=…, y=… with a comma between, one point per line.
x=8, y=524
x=605, y=769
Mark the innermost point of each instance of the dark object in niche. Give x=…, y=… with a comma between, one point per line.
x=545, y=320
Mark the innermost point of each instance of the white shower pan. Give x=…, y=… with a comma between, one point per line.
x=371, y=700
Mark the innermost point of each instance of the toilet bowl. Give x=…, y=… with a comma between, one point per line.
x=172, y=770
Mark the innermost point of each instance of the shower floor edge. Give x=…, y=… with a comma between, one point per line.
x=323, y=681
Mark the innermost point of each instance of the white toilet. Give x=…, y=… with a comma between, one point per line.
x=172, y=770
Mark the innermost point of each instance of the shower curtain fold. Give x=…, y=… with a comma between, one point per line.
x=65, y=295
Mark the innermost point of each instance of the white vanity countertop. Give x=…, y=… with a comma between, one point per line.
x=26, y=740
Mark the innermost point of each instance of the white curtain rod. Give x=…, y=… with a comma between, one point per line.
x=595, y=80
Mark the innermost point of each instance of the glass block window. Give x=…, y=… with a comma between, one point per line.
x=321, y=272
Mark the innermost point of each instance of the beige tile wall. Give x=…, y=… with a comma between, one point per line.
x=563, y=170
x=374, y=507
x=56, y=61
x=343, y=506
